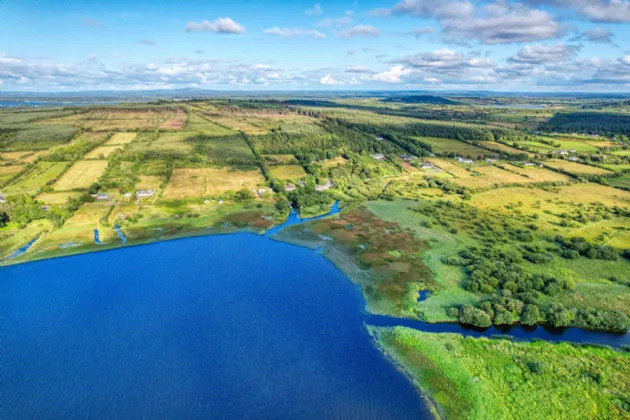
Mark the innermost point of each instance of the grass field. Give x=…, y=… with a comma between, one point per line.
x=9, y=170
x=101, y=152
x=286, y=159
x=500, y=147
x=536, y=174
x=117, y=119
x=57, y=197
x=121, y=138
x=622, y=152
x=201, y=182
x=577, y=168
x=79, y=229
x=81, y=175
x=288, y=172
x=12, y=238
x=480, y=378
x=460, y=148
x=12, y=156
x=37, y=178
x=331, y=163
x=175, y=141
x=622, y=181
x=149, y=182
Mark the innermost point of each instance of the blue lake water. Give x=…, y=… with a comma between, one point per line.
x=226, y=326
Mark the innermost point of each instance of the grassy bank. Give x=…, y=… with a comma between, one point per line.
x=478, y=378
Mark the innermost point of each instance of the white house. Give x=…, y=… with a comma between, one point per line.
x=491, y=160
x=101, y=196
x=572, y=158
x=2, y=198
x=379, y=138
x=464, y=160
x=144, y=193
x=324, y=187
x=427, y=165
x=378, y=156
x=290, y=187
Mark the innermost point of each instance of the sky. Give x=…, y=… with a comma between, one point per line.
x=525, y=45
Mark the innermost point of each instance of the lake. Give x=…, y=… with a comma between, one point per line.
x=225, y=326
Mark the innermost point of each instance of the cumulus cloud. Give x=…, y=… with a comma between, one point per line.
x=315, y=10
x=494, y=23
x=360, y=30
x=224, y=25
x=393, y=75
x=539, y=54
x=596, y=35
x=603, y=11
x=358, y=69
x=292, y=32
x=329, y=80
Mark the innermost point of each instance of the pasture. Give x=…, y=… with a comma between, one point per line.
x=282, y=159
x=43, y=174
x=57, y=198
x=81, y=175
x=535, y=173
x=293, y=172
x=121, y=139
x=332, y=163
x=502, y=148
x=119, y=119
x=576, y=168
x=149, y=182
x=460, y=148
x=101, y=152
x=207, y=182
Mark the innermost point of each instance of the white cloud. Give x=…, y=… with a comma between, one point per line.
x=315, y=10
x=292, y=32
x=393, y=75
x=360, y=30
x=539, y=54
x=358, y=69
x=494, y=23
x=422, y=31
x=328, y=80
x=224, y=25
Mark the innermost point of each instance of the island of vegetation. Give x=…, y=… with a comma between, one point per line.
x=495, y=211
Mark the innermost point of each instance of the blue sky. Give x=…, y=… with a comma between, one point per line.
x=531, y=45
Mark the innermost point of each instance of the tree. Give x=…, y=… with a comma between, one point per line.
x=244, y=195
x=531, y=315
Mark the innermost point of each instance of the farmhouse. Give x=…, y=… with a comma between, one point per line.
x=529, y=164
x=408, y=158
x=101, y=196
x=290, y=187
x=144, y=193
x=261, y=191
x=378, y=156
x=491, y=160
x=427, y=165
x=324, y=187
x=379, y=138
x=464, y=160
x=572, y=158
x=2, y=198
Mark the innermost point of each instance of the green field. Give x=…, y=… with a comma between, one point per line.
x=44, y=173
x=460, y=148
x=479, y=378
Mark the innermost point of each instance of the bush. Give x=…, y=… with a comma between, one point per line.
x=468, y=314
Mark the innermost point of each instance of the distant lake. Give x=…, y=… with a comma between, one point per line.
x=226, y=326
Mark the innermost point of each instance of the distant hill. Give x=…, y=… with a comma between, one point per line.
x=421, y=99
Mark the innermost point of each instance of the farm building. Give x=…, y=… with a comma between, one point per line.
x=491, y=160
x=378, y=156
x=324, y=187
x=261, y=191
x=408, y=158
x=529, y=164
x=2, y=198
x=290, y=187
x=101, y=196
x=464, y=160
x=379, y=138
x=573, y=158
x=427, y=165
x=144, y=193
